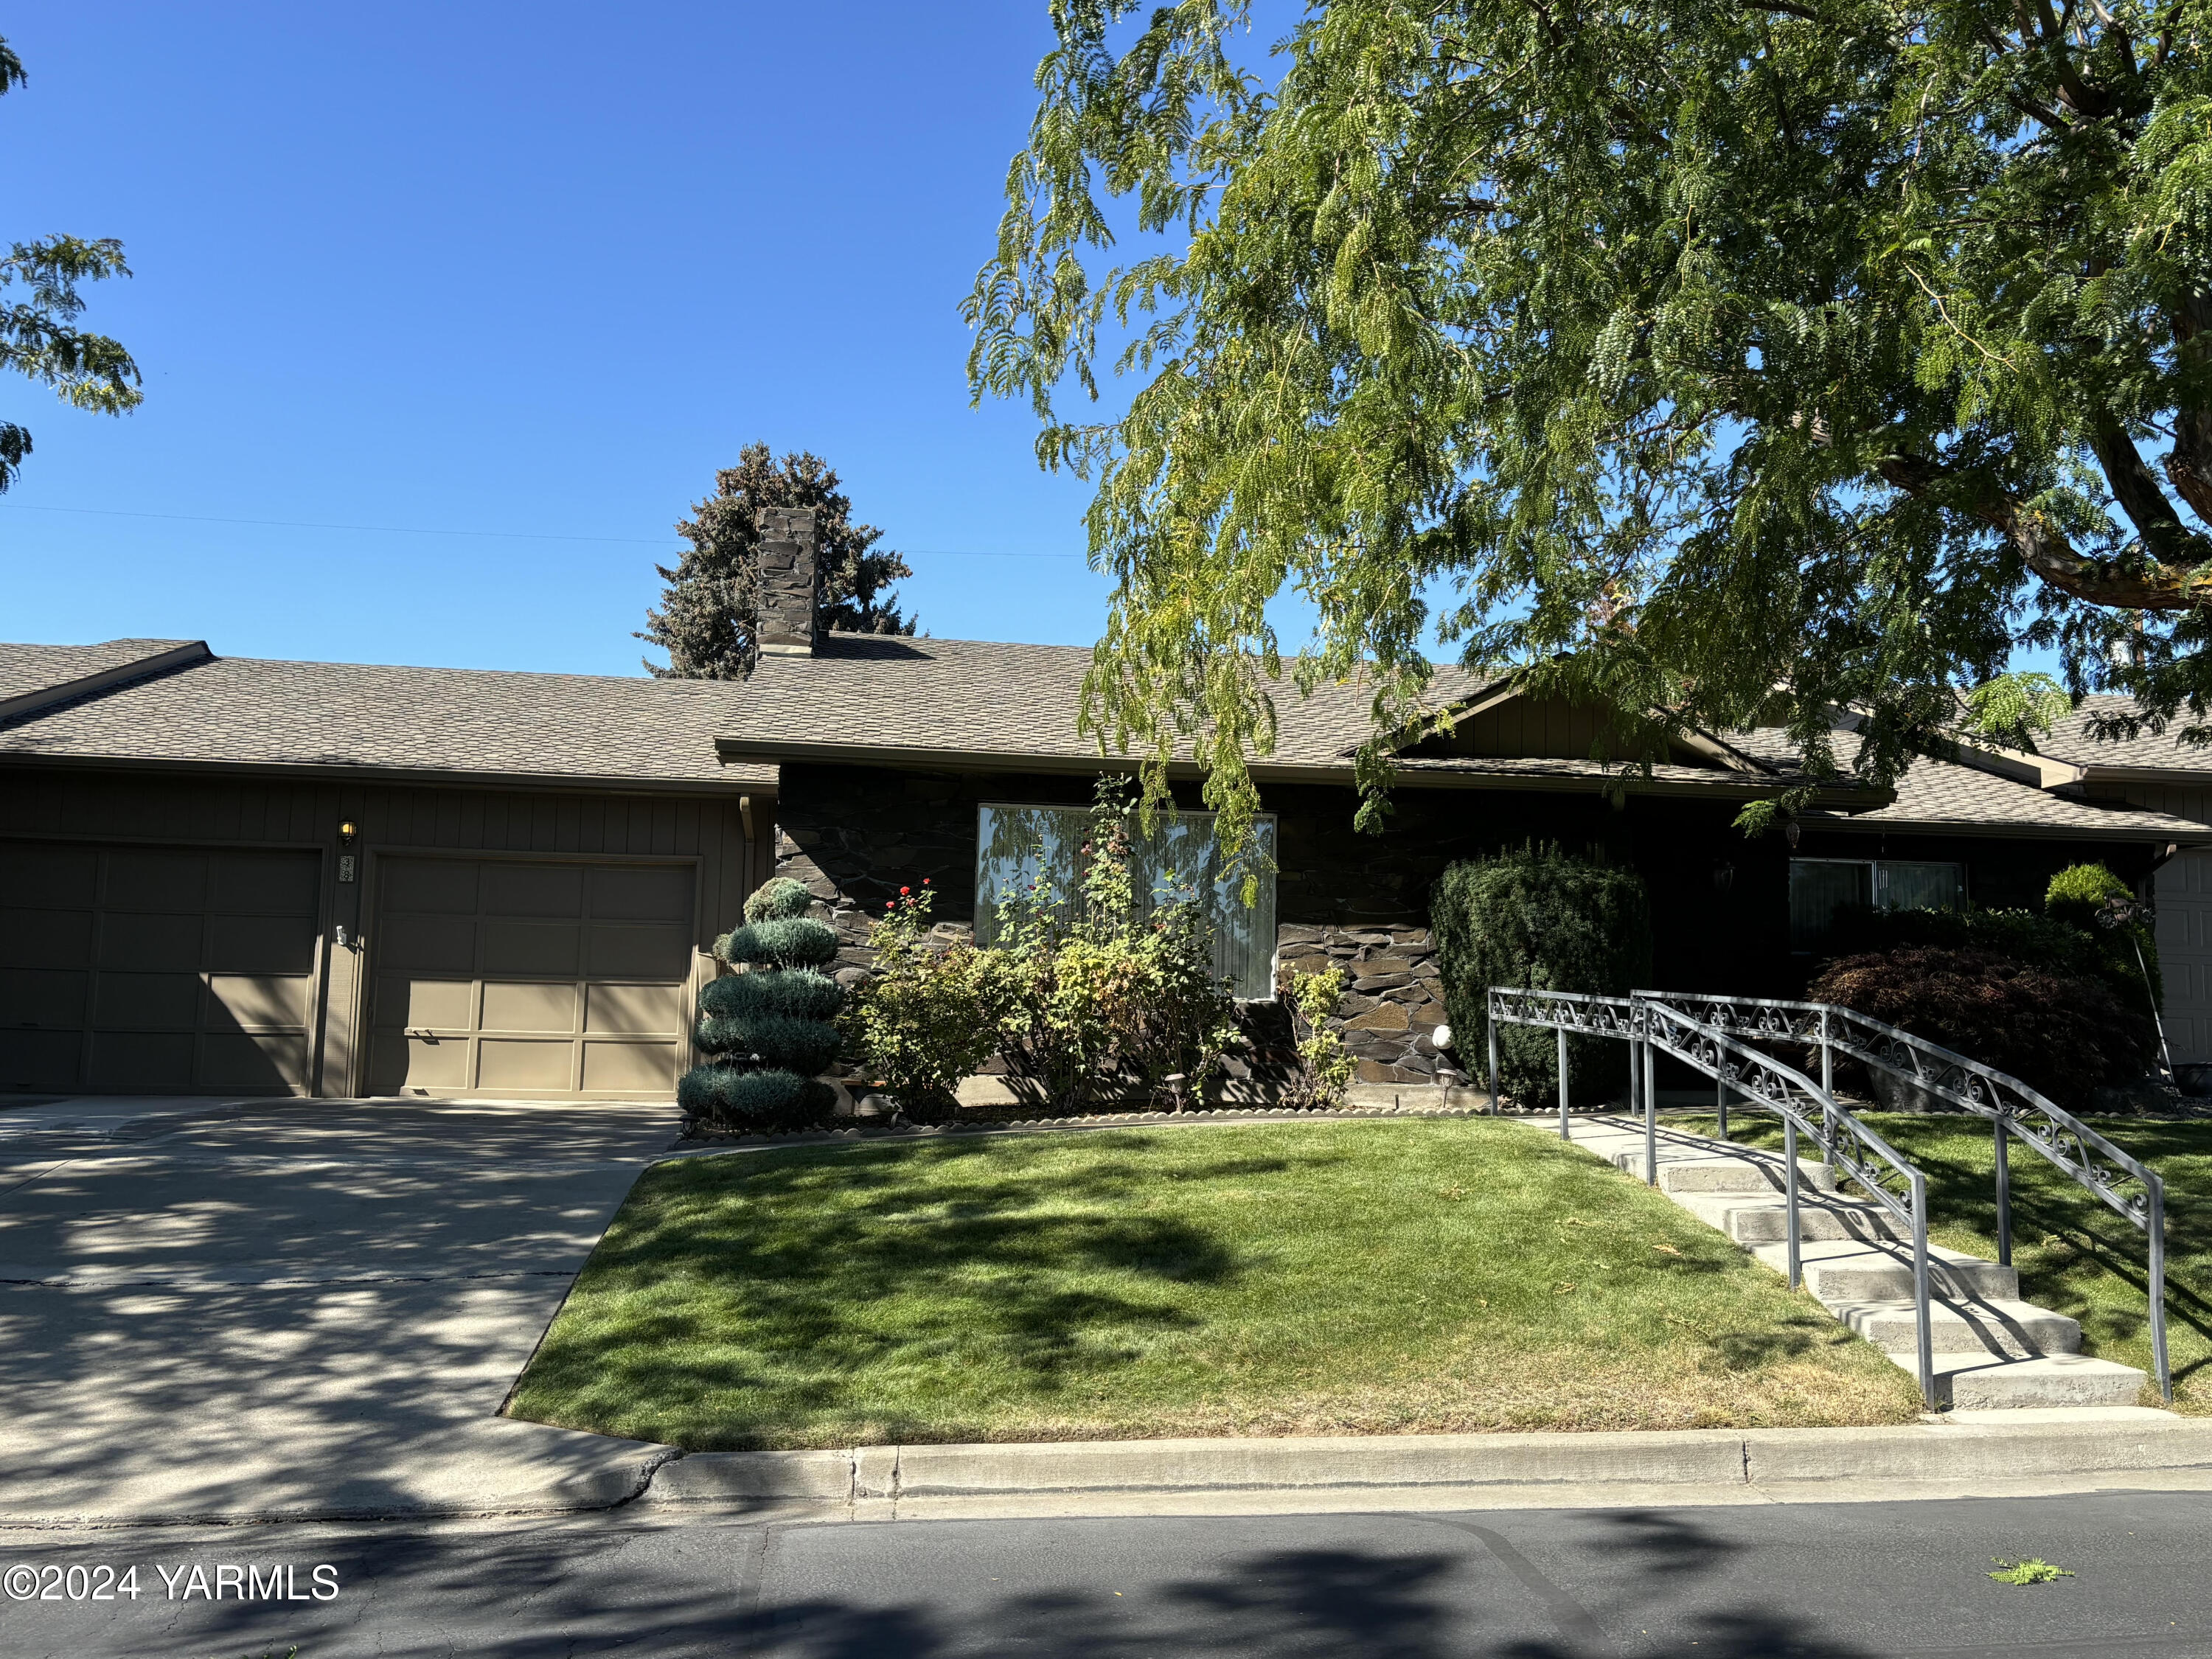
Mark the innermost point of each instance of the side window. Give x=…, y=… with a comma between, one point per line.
x=1907, y=886
x=1017, y=846
x=1819, y=888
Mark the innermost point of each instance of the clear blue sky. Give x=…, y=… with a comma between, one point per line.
x=535, y=270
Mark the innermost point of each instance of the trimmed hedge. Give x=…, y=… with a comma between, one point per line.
x=1541, y=918
x=805, y=1046
x=765, y=1101
x=780, y=942
x=799, y=994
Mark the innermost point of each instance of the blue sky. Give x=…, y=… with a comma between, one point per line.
x=535, y=270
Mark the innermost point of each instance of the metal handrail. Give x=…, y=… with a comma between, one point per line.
x=1803, y=1106
x=2015, y=1109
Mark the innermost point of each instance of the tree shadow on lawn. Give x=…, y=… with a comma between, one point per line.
x=786, y=1279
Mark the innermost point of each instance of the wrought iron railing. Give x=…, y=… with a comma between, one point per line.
x=1803, y=1106
x=2123, y=1183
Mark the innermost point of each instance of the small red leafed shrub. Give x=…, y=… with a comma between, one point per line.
x=2063, y=1034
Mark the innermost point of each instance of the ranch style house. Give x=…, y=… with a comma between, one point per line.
x=227, y=876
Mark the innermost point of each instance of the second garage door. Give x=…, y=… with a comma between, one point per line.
x=529, y=979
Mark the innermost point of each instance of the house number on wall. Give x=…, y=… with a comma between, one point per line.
x=345, y=867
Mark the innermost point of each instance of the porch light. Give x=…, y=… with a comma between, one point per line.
x=1790, y=833
x=346, y=830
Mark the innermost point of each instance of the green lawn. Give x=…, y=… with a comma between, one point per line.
x=1333, y=1277
x=2074, y=1255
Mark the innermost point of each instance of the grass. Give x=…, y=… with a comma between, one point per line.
x=1323, y=1278
x=2074, y=1255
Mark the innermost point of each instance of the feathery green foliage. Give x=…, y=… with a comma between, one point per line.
x=39, y=336
x=1685, y=348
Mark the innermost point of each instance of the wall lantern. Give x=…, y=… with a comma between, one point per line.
x=1792, y=834
x=347, y=831
x=1723, y=875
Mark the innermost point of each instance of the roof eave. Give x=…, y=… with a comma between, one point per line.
x=593, y=783
x=2187, y=835
x=901, y=757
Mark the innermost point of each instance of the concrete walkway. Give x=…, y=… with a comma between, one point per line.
x=214, y=1309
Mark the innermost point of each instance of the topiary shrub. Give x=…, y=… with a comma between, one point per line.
x=1541, y=918
x=2063, y=1034
x=767, y=1032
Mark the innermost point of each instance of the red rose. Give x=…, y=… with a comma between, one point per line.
x=904, y=891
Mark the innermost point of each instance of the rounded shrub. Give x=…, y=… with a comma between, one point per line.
x=799, y=993
x=764, y=1101
x=807, y=1046
x=2061, y=1034
x=2090, y=898
x=778, y=899
x=1544, y=919
x=780, y=942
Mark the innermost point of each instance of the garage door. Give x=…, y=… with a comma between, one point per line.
x=529, y=979
x=2185, y=953
x=155, y=969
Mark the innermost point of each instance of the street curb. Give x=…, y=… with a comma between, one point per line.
x=1945, y=1453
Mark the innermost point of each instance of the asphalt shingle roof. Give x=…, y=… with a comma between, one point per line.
x=27, y=668
x=241, y=710
x=917, y=696
x=2070, y=740
x=981, y=697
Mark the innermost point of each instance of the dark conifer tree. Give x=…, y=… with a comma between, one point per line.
x=705, y=618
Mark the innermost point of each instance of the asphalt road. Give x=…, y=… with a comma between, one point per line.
x=1824, y=1582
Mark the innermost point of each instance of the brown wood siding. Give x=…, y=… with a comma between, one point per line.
x=123, y=806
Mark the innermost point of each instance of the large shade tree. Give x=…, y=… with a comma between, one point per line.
x=40, y=306
x=1674, y=352
x=708, y=612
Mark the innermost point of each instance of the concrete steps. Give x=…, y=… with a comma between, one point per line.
x=1992, y=1350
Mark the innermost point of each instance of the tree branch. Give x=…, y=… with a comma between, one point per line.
x=2043, y=547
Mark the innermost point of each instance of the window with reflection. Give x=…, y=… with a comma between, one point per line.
x=1177, y=863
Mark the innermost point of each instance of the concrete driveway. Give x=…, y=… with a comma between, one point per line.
x=218, y=1309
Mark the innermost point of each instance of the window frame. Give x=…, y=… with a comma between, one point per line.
x=1082, y=811
x=1877, y=884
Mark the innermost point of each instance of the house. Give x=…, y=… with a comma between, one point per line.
x=227, y=876
x=2153, y=772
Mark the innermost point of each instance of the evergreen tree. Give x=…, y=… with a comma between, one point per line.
x=39, y=336
x=707, y=613
x=1675, y=349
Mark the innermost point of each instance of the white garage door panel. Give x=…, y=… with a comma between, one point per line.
x=2185, y=953
x=531, y=978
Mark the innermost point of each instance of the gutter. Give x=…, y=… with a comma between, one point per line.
x=2173, y=834
x=371, y=775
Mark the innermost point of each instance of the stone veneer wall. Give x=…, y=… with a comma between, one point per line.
x=1394, y=1002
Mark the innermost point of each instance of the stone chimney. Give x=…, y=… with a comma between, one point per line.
x=790, y=582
